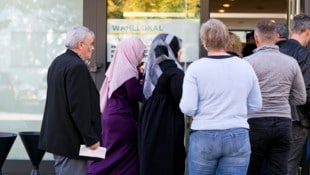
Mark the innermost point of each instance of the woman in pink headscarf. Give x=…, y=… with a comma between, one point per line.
x=120, y=93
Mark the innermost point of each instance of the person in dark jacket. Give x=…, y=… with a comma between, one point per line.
x=249, y=45
x=296, y=47
x=72, y=111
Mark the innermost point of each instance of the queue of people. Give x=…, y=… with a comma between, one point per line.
x=281, y=84
x=249, y=116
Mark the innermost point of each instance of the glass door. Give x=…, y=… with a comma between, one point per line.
x=294, y=7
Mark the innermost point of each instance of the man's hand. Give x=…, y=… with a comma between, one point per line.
x=94, y=146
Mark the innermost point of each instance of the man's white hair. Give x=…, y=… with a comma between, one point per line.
x=77, y=34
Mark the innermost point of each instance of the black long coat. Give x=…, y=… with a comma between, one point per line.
x=161, y=126
x=72, y=113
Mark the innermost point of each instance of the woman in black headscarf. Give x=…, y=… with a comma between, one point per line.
x=161, y=124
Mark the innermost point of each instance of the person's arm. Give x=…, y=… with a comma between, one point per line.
x=254, y=97
x=134, y=89
x=176, y=83
x=303, y=58
x=298, y=91
x=81, y=104
x=189, y=99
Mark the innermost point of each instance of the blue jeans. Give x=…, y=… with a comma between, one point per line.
x=219, y=152
x=270, y=144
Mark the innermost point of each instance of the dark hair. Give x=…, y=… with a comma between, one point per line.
x=249, y=36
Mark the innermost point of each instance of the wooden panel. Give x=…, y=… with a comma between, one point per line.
x=95, y=17
x=204, y=16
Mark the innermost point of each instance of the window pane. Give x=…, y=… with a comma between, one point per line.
x=146, y=19
x=32, y=34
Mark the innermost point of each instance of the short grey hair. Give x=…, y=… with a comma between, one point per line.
x=265, y=29
x=77, y=34
x=300, y=23
x=214, y=34
x=282, y=30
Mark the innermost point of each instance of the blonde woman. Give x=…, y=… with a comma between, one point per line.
x=219, y=90
x=234, y=45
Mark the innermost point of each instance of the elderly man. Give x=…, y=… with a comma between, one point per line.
x=72, y=113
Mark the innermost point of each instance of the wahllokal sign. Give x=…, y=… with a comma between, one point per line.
x=147, y=29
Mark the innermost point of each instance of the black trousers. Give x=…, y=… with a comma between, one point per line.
x=270, y=139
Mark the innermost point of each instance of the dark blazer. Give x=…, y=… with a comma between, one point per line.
x=72, y=113
x=294, y=49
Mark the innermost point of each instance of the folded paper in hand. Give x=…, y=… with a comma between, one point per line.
x=99, y=152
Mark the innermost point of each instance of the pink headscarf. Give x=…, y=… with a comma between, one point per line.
x=127, y=56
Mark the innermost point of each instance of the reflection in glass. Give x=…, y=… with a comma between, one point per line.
x=153, y=9
x=32, y=34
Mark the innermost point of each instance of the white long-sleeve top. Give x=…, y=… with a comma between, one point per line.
x=219, y=92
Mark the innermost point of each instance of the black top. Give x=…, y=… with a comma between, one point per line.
x=248, y=49
x=294, y=49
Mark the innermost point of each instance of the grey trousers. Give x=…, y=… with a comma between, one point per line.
x=66, y=166
x=297, y=150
